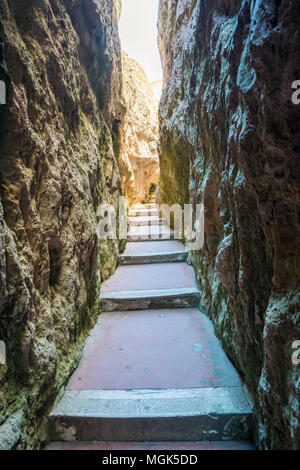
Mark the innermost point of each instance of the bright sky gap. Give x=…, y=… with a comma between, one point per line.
x=138, y=33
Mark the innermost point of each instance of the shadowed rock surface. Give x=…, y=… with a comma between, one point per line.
x=61, y=63
x=229, y=137
x=139, y=162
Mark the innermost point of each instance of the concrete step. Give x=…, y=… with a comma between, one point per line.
x=143, y=212
x=154, y=446
x=144, y=206
x=152, y=415
x=142, y=221
x=153, y=349
x=159, y=232
x=148, y=286
x=143, y=258
x=150, y=299
x=158, y=376
x=153, y=252
x=152, y=369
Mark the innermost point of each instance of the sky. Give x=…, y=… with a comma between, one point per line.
x=138, y=33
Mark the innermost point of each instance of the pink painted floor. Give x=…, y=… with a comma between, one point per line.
x=205, y=445
x=154, y=349
x=134, y=248
x=150, y=277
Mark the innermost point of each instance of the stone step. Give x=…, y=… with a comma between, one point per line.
x=159, y=232
x=154, y=446
x=152, y=369
x=143, y=212
x=153, y=349
x=149, y=299
x=148, y=286
x=167, y=251
x=144, y=206
x=154, y=376
x=146, y=221
x=152, y=415
x=143, y=258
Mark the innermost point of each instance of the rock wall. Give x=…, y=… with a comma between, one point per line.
x=59, y=141
x=229, y=136
x=139, y=162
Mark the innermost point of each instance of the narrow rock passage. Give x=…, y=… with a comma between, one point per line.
x=152, y=369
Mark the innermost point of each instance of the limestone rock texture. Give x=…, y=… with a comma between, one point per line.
x=59, y=141
x=230, y=138
x=139, y=161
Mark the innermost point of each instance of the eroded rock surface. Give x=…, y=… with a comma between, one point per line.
x=59, y=140
x=230, y=136
x=139, y=162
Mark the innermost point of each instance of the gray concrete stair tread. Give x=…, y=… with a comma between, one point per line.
x=153, y=403
x=155, y=247
x=151, y=293
x=186, y=297
x=142, y=258
x=145, y=220
x=147, y=300
x=150, y=286
x=151, y=232
x=147, y=277
x=143, y=212
x=144, y=206
x=217, y=414
x=167, y=251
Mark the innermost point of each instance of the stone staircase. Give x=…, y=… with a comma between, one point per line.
x=153, y=375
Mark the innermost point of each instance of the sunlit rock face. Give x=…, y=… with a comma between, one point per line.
x=61, y=63
x=229, y=137
x=139, y=162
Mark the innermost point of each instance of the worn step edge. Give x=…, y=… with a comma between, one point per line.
x=149, y=299
x=221, y=413
x=151, y=258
